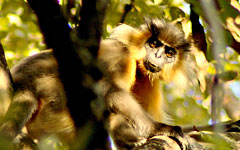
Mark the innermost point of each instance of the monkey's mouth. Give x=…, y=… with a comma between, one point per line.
x=151, y=67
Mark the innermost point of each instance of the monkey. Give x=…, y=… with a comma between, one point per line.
x=137, y=62
x=134, y=62
x=39, y=100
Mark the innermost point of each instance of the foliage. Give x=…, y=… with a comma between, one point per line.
x=19, y=30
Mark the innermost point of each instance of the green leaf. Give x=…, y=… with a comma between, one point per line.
x=227, y=10
x=3, y=24
x=176, y=13
x=196, y=6
x=228, y=75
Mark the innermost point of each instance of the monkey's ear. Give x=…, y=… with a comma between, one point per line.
x=129, y=35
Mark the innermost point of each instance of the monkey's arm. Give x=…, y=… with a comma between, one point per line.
x=129, y=123
x=119, y=56
x=119, y=63
x=121, y=102
x=20, y=111
x=24, y=100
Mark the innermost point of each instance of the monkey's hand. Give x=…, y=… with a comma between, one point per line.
x=124, y=135
x=129, y=140
x=8, y=130
x=164, y=129
x=24, y=141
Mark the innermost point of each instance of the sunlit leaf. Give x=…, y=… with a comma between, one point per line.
x=3, y=24
x=126, y=1
x=233, y=28
x=9, y=54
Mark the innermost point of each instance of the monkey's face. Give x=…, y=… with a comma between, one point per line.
x=167, y=52
x=158, y=54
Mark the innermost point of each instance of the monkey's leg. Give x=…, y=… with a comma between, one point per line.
x=130, y=125
x=20, y=111
x=24, y=142
x=121, y=102
x=131, y=122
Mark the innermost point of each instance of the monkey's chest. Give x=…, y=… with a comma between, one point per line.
x=148, y=94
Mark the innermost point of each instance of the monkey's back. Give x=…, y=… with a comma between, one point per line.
x=38, y=74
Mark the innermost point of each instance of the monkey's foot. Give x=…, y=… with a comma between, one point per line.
x=129, y=142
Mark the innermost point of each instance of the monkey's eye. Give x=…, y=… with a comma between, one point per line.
x=170, y=52
x=154, y=42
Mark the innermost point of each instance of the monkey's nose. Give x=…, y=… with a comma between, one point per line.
x=151, y=67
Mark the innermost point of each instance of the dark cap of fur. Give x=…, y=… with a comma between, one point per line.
x=167, y=32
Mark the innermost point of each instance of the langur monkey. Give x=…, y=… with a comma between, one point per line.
x=134, y=62
x=137, y=61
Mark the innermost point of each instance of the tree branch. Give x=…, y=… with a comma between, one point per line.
x=74, y=65
x=197, y=139
x=198, y=34
x=127, y=9
x=6, y=83
x=3, y=64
